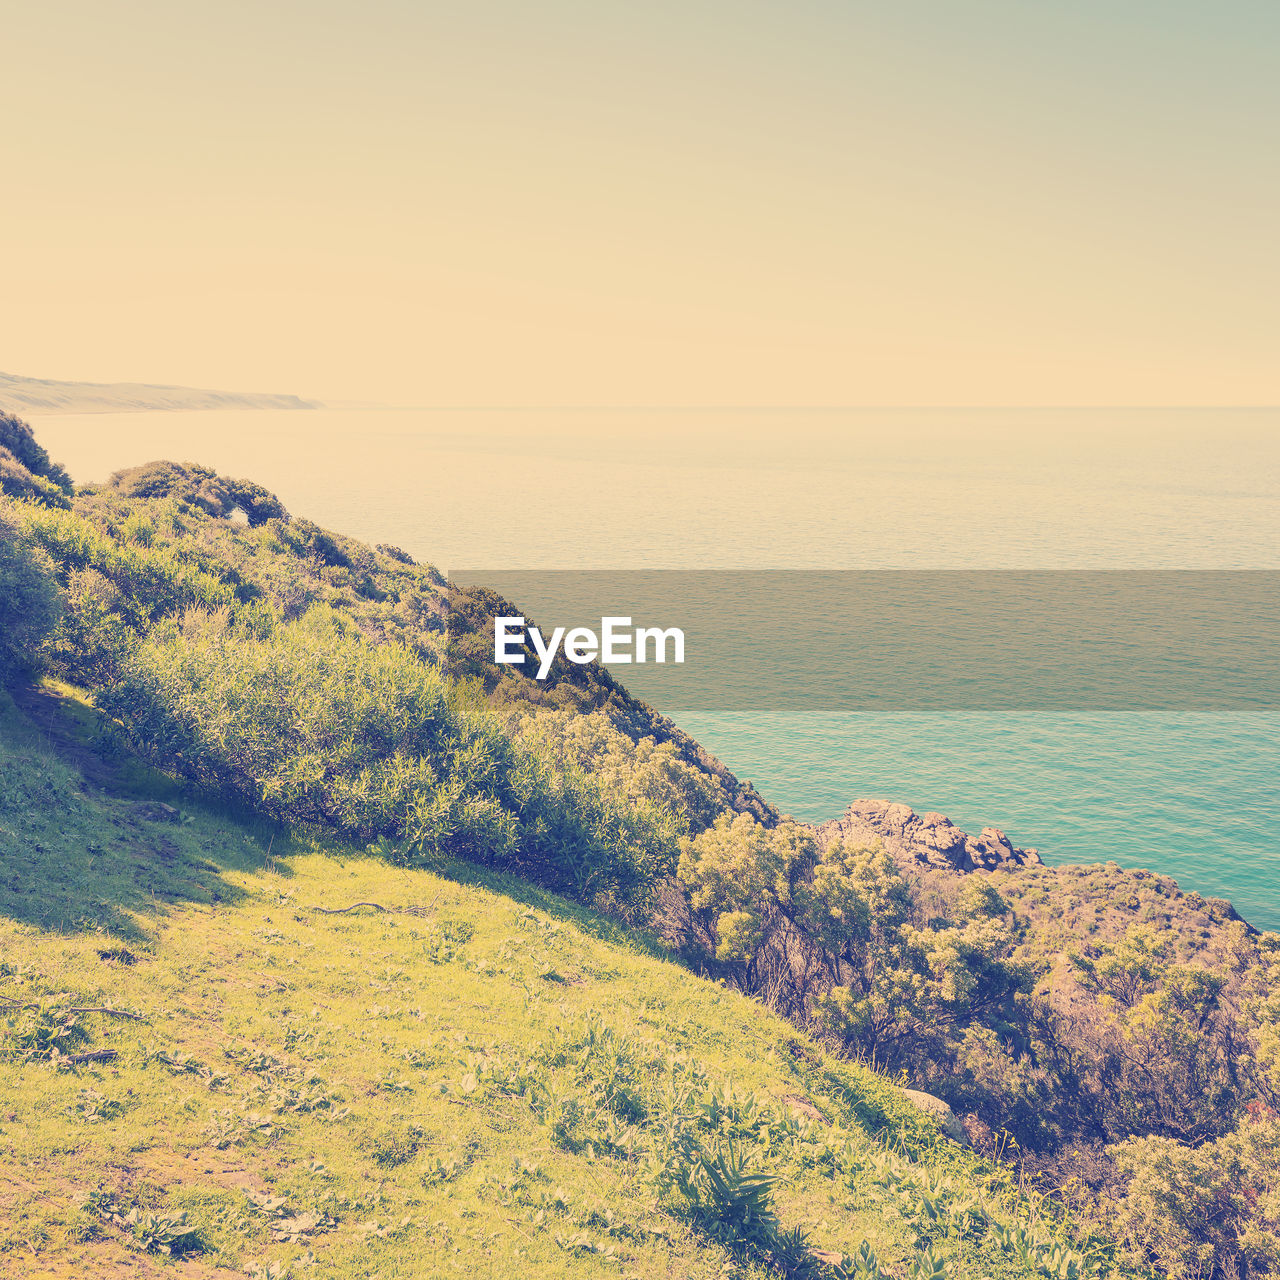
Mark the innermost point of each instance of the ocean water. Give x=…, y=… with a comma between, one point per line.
x=1193, y=794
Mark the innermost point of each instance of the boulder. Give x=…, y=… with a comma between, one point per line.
x=940, y=1111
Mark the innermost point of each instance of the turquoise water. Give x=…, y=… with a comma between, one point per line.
x=1194, y=796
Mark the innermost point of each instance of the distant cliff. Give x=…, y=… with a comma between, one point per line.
x=39, y=395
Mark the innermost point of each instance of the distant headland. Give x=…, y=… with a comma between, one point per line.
x=40, y=395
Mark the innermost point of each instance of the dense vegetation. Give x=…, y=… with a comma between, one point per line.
x=1093, y=1027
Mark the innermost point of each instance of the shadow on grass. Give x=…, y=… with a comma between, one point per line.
x=527, y=893
x=94, y=841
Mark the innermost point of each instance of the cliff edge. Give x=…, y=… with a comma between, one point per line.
x=931, y=840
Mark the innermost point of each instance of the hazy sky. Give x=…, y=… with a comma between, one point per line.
x=653, y=202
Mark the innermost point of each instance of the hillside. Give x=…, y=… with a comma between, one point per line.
x=292, y=565
x=1113, y=1042
x=42, y=395
x=212, y=1049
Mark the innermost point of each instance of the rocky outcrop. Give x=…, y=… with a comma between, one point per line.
x=941, y=1113
x=930, y=840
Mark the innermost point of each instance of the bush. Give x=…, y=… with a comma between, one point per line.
x=18, y=441
x=838, y=937
x=152, y=583
x=30, y=602
x=308, y=539
x=1204, y=1212
x=314, y=725
x=258, y=504
x=93, y=635
x=16, y=481
x=644, y=771
x=202, y=488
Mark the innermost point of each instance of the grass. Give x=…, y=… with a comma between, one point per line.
x=478, y=1079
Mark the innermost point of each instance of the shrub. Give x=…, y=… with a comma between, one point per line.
x=93, y=634
x=258, y=504
x=151, y=582
x=307, y=538
x=18, y=441
x=1164, y=1039
x=1206, y=1211
x=837, y=936
x=202, y=488
x=30, y=602
x=314, y=725
x=16, y=481
x=638, y=772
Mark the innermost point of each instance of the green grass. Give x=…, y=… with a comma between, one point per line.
x=479, y=1080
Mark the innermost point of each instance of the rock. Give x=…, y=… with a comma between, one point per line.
x=939, y=1110
x=940, y=833
x=932, y=840
x=155, y=811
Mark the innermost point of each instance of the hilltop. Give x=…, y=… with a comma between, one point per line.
x=42, y=395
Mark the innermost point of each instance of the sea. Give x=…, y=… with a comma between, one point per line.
x=1194, y=794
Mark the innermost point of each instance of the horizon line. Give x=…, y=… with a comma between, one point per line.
x=769, y=408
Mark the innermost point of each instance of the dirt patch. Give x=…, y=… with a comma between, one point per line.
x=804, y=1107
x=105, y=1260
x=207, y=1167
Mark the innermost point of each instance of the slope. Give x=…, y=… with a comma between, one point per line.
x=215, y=1060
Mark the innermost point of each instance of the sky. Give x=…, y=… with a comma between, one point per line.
x=667, y=202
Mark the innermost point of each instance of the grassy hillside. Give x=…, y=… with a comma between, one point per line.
x=215, y=1059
